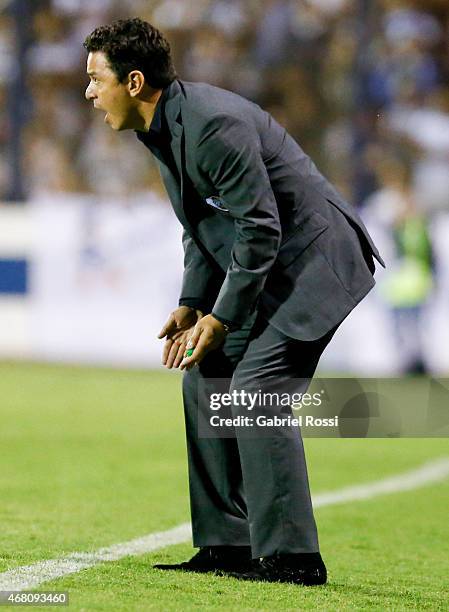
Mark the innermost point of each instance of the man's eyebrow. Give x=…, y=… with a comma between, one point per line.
x=93, y=73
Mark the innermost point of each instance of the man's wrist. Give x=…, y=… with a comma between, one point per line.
x=227, y=325
x=189, y=307
x=194, y=303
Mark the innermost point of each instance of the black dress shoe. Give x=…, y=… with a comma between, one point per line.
x=307, y=569
x=215, y=558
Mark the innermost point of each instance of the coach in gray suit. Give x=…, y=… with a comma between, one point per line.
x=275, y=259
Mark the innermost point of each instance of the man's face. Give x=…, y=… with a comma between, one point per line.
x=108, y=94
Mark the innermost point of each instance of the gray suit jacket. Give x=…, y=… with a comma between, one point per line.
x=262, y=227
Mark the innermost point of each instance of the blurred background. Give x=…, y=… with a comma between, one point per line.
x=90, y=251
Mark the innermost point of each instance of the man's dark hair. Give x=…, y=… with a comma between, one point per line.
x=134, y=44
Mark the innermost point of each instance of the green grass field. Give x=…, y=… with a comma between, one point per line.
x=93, y=457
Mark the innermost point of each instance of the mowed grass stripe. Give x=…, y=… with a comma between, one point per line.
x=31, y=576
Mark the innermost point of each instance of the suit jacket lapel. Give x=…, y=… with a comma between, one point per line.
x=175, y=124
x=177, y=146
x=184, y=189
x=174, y=121
x=177, y=143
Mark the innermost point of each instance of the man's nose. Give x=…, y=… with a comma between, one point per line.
x=88, y=93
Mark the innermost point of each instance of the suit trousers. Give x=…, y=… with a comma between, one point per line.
x=252, y=489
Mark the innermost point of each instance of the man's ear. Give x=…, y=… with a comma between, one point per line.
x=135, y=84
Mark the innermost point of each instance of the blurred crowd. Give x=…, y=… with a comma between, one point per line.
x=352, y=80
x=363, y=85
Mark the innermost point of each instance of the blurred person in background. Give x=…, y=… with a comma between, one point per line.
x=274, y=261
x=409, y=283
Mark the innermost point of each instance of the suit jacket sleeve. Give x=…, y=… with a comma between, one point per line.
x=199, y=283
x=229, y=152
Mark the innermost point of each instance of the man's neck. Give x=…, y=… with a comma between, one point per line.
x=147, y=110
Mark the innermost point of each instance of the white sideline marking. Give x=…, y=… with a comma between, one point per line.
x=30, y=576
x=428, y=473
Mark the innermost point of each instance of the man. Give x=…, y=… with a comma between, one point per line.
x=275, y=259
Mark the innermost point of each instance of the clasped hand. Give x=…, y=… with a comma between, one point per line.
x=188, y=328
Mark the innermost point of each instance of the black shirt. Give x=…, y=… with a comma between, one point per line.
x=158, y=138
